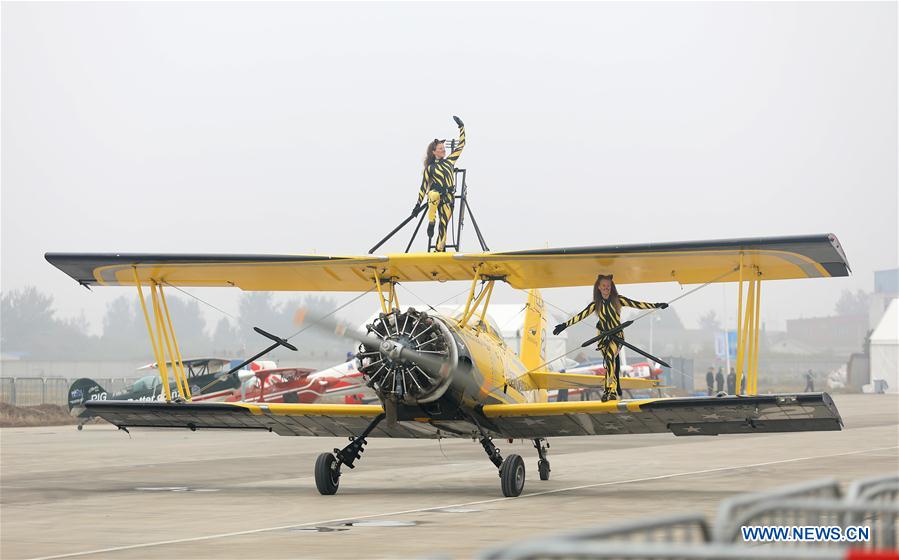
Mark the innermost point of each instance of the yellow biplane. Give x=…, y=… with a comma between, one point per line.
x=442, y=376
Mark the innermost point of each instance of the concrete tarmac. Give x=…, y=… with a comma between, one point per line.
x=101, y=493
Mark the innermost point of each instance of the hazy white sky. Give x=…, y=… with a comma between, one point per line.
x=298, y=128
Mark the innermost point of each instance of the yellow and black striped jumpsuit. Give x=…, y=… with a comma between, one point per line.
x=438, y=182
x=609, y=318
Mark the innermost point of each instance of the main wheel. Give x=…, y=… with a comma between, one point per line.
x=327, y=478
x=543, y=467
x=511, y=476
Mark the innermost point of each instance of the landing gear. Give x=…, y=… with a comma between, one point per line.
x=511, y=469
x=543, y=462
x=327, y=465
x=327, y=474
x=511, y=476
x=492, y=451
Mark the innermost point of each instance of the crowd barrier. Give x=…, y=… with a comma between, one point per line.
x=871, y=502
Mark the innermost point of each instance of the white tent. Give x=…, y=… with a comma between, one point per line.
x=885, y=349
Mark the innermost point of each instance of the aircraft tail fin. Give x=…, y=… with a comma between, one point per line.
x=533, y=336
x=83, y=390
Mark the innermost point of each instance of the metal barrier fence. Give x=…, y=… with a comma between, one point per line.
x=33, y=391
x=618, y=550
x=879, y=517
x=868, y=503
x=875, y=489
x=684, y=528
x=736, y=506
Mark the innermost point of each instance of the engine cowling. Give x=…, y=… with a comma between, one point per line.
x=392, y=374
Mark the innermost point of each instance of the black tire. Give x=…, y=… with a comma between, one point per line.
x=543, y=467
x=511, y=476
x=291, y=398
x=327, y=479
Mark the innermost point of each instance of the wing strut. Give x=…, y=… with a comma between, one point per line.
x=162, y=338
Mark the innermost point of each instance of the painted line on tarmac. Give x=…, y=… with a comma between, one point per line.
x=420, y=510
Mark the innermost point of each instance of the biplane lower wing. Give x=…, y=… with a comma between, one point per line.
x=323, y=420
x=691, y=416
x=681, y=416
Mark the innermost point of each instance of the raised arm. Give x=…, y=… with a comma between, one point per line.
x=458, y=151
x=640, y=304
x=576, y=319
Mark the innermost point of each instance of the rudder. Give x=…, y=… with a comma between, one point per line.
x=83, y=390
x=533, y=337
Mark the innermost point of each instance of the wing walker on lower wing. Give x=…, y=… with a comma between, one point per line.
x=439, y=376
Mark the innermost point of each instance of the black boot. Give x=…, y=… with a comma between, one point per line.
x=430, y=230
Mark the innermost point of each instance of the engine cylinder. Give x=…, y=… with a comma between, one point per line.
x=402, y=378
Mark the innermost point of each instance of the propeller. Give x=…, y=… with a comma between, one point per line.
x=395, y=350
x=405, y=357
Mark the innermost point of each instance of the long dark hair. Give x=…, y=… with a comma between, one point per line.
x=613, y=295
x=429, y=155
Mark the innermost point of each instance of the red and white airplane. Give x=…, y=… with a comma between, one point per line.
x=342, y=383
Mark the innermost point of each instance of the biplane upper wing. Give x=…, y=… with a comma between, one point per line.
x=682, y=416
x=288, y=419
x=774, y=258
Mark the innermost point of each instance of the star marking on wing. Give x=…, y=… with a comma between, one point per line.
x=711, y=417
x=530, y=422
x=692, y=430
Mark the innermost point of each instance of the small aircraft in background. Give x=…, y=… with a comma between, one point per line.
x=205, y=376
x=438, y=376
x=639, y=370
x=342, y=383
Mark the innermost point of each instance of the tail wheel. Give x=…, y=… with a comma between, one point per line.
x=511, y=475
x=543, y=467
x=327, y=474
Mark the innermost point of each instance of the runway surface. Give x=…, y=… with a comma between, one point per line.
x=99, y=493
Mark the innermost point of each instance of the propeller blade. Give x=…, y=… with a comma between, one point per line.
x=393, y=349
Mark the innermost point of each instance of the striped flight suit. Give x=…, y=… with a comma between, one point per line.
x=438, y=183
x=609, y=318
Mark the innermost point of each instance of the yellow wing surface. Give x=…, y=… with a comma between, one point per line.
x=681, y=416
x=551, y=380
x=775, y=258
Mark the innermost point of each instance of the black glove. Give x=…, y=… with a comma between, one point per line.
x=662, y=305
x=559, y=328
x=458, y=121
x=415, y=210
